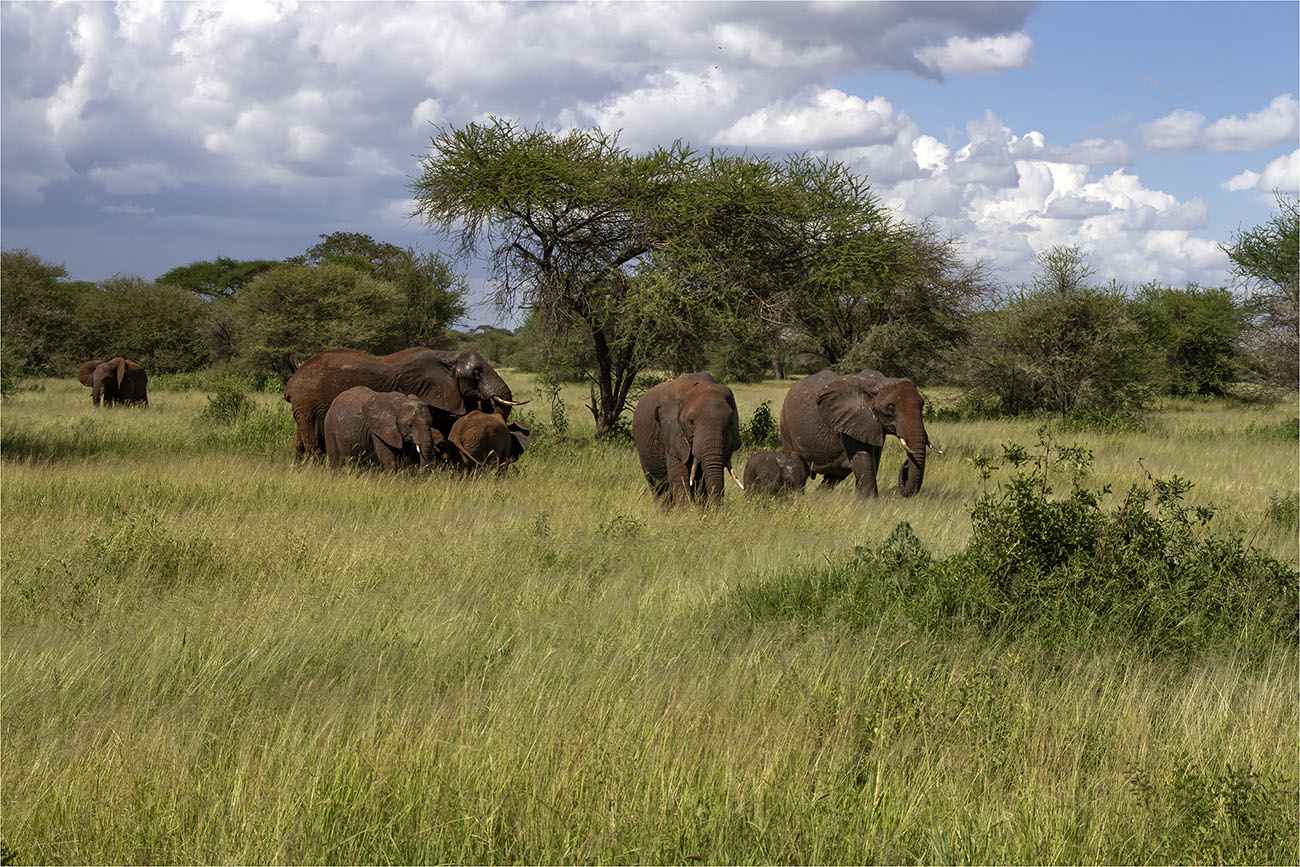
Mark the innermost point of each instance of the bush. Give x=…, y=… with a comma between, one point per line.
x=290, y=313
x=1061, y=345
x=162, y=327
x=1198, y=332
x=763, y=430
x=1148, y=572
x=229, y=404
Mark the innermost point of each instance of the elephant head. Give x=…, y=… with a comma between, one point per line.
x=685, y=432
x=407, y=420
x=479, y=383
x=868, y=405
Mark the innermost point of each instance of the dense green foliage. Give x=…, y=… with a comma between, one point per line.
x=1199, y=331
x=292, y=312
x=1149, y=570
x=1060, y=344
x=37, y=316
x=218, y=278
x=263, y=316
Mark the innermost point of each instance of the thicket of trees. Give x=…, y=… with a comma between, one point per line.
x=256, y=316
x=673, y=260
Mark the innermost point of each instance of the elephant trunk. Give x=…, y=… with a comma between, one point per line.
x=713, y=464
x=495, y=394
x=912, y=472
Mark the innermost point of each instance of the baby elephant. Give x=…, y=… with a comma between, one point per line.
x=388, y=427
x=773, y=473
x=485, y=438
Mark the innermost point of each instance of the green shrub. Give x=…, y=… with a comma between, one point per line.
x=1211, y=816
x=763, y=430
x=1149, y=571
x=229, y=404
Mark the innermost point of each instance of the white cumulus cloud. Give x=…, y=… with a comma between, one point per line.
x=1282, y=174
x=826, y=118
x=1184, y=130
x=988, y=55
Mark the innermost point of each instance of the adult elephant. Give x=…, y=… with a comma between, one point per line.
x=483, y=439
x=388, y=427
x=118, y=380
x=685, y=432
x=838, y=425
x=452, y=381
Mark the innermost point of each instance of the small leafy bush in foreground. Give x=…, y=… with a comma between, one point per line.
x=1066, y=568
x=1203, y=816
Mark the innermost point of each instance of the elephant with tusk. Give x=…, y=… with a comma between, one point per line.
x=455, y=382
x=838, y=425
x=685, y=432
x=390, y=428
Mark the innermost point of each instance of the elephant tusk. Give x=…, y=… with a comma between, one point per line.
x=734, y=479
x=503, y=402
x=931, y=447
x=905, y=445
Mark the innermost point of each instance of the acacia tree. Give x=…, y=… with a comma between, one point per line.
x=1266, y=262
x=568, y=220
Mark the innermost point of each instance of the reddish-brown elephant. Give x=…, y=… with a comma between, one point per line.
x=117, y=380
x=685, y=431
x=452, y=381
x=838, y=425
x=485, y=439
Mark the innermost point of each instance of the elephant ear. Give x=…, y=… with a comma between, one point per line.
x=733, y=425
x=845, y=407
x=431, y=380
x=86, y=373
x=673, y=431
x=520, y=436
x=121, y=370
x=382, y=421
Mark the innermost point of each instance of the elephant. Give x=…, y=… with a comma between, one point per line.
x=685, y=431
x=481, y=438
x=838, y=425
x=117, y=380
x=774, y=473
x=389, y=427
x=452, y=381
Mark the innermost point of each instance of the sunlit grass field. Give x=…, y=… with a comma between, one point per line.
x=211, y=655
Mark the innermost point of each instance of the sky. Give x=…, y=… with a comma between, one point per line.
x=137, y=137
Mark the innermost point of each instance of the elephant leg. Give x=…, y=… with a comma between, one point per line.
x=865, y=464
x=678, y=481
x=387, y=457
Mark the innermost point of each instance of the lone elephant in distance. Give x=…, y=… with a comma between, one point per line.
x=389, y=428
x=837, y=424
x=769, y=472
x=484, y=439
x=685, y=432
x=452, y=381
x=118, y=380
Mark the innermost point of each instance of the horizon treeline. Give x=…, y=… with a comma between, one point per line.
x=635, y=265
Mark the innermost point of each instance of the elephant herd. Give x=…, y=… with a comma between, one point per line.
x=686, y=431
x=425, y=406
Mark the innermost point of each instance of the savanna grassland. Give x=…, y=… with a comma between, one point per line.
x=211, y=655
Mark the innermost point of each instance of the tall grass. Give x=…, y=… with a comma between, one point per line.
x=212, y=655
